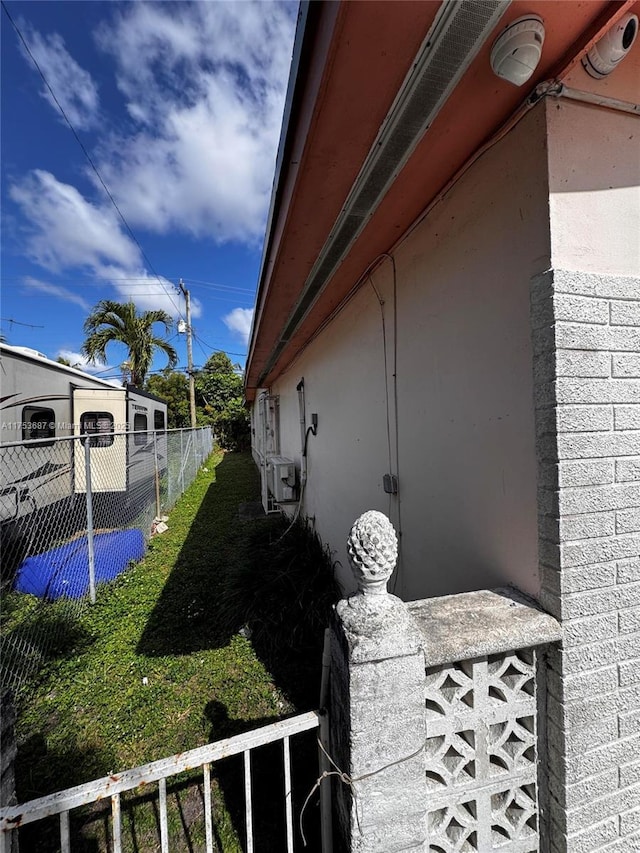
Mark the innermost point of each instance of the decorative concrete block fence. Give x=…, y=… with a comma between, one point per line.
x=435, y=713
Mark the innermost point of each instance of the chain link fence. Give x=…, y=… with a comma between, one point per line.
x=74, y=513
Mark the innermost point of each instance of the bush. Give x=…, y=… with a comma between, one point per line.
x=232, y=427
x=284, y=594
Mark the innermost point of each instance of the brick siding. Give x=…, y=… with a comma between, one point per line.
x=586, y=339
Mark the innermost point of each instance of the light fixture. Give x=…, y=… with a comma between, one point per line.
x=605, y=55
x=516, y=52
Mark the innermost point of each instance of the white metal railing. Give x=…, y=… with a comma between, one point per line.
x=61, y=803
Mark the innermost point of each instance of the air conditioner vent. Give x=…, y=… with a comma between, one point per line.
x=281, y=479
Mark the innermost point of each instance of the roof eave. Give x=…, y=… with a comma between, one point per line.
x=307, y=27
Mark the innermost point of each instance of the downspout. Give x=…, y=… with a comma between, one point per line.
x=303, y=435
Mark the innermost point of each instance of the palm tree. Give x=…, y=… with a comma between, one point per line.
x=116, y=321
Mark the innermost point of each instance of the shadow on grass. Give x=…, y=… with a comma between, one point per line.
x=188, y=615
x=91, y=827
x=278, y=585
x=46, y=633
x=62, y=771
x=268, y=785
x=229, y=574
x=284, y=593
x=257, y=574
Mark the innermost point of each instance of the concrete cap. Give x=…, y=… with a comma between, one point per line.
x=473, y=624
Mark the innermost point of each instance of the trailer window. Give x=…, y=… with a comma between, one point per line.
x=98, y=425
x=140, y=429
x=158, y=420
x=38, y=423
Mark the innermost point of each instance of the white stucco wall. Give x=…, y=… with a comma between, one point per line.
x=594, y=183
x=344, y=385
x=467, y=465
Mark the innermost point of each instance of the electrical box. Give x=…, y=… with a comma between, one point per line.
x=281, y=479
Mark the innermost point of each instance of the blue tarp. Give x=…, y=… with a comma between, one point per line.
x=64, y=571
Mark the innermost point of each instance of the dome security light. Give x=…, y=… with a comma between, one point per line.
x=605, y=56
x=517, y=50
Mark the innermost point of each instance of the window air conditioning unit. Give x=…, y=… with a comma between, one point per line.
x=281, y=479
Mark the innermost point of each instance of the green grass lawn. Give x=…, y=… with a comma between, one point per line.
x=157, y=667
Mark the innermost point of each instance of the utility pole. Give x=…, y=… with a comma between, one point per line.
x=192, y=381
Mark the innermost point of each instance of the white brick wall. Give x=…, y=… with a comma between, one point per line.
x=587, y=389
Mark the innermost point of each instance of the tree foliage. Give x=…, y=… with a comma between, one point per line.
x=219, y=389
x=219, y=400
x=120, y=322
x=174, y=388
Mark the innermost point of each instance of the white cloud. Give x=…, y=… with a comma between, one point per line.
x=73, y=87
x=205, y=84
x=239, y=322
x=81, y=362
x=66, y=230
x=56, y=290
x=101, y=371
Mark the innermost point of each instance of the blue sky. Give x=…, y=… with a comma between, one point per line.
x=179, y=107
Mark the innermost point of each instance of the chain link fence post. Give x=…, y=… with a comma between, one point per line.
x=90, y=543
x=181, y=461
x=156, y=474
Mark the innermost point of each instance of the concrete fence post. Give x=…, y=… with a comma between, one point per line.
x=377, y=709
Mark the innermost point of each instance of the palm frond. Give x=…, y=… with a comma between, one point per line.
x=116, y=321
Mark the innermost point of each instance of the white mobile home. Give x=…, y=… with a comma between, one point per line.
x=43, y=402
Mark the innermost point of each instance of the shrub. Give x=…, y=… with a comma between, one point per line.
x=284, y=594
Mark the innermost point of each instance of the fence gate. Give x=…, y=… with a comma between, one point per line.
x=61, y=803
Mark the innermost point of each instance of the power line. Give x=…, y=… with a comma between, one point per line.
x=84, y=365
x=87, y=155
x=149, y=373
x=18, y=323
x=217, y=349
x=198, y=342
x=153, y=293
x=110, y=370
x=220, y=286
x=141, y=279
x=41, y=293
x=44, y=294
x=160, y=370
x=219, y=298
